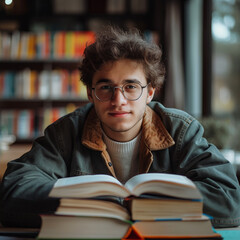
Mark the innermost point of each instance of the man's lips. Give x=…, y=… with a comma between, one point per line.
x=119, y=113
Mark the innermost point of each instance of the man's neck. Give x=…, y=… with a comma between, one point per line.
x=123, y=136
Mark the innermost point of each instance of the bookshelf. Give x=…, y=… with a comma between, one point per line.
x=41, y=45
x=39, y=79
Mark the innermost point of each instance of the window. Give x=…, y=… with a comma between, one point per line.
x=226, y=56
x=225, y=96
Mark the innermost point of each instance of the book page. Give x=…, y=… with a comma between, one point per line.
x=92, y=207
x=163, y=184
x=163, y=177
x=88, y=186
x=68, y=181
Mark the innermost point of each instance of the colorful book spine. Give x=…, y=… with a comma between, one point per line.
x=44, y=45
x=27, y=124
x=30, y=84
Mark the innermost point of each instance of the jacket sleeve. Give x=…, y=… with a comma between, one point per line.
x=28, y=181
x=214, y=176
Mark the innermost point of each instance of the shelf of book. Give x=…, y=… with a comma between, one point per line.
x=44, y=44
x=32, y=99
x=45, y=84
x=28, y=123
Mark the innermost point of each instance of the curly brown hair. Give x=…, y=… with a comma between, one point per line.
x=113, y=44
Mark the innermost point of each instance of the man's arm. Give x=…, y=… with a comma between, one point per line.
x=213, y=174
x=28, y=180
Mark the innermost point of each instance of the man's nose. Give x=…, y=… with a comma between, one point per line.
x=118, y=96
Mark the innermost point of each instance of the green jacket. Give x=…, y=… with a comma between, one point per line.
x=171, y=142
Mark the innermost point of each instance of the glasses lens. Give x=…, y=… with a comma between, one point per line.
x=103, y=91
x=132, y=91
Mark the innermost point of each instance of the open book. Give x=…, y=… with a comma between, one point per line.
x=89, y=186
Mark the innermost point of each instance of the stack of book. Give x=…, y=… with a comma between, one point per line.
x=152, y=205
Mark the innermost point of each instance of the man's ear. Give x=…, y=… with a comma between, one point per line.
x=151, y=92
x=89, y=94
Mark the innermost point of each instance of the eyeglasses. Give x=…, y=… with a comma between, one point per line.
x=131, y=91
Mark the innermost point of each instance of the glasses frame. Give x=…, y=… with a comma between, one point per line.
x=121, y=88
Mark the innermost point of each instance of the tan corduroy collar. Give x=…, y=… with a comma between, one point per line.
x=154, y=134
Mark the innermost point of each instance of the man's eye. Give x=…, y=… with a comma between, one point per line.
x=105, y=87
x=130, y=86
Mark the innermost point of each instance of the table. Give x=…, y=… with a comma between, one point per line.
x=230, y=233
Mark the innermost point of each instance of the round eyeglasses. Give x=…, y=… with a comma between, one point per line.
x=131, y=91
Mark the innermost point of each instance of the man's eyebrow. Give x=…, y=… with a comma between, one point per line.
x=103, y=80
x=131, y=81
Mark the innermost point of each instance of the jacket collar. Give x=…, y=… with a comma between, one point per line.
x=155, y=135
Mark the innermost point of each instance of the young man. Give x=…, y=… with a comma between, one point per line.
x=120, y=133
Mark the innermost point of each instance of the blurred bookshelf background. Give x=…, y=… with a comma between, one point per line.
x=41, y=44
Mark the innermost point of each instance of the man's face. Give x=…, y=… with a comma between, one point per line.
x=121, y=118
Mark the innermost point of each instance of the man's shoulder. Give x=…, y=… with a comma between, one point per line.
x=170, y=114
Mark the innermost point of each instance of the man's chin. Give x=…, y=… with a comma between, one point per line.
x=120, y=129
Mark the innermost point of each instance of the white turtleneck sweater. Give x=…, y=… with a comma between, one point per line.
x=124, y=156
